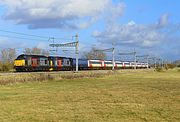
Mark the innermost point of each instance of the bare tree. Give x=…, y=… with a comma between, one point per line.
x=8, y=55
x=36, y=51
x=27, y=51
x=4, y=55
x=45, y=52
x=12, y=55
x=93, y=54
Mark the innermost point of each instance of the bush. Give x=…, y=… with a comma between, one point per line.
x=158, y=69
x=86, y=75
x=170, y=66
x=4, y=67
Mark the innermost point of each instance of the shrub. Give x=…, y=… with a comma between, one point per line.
x=4, y=67
x=44, y=77
x=170, y=66
x=7, y=79
x=85, y=75
x=158, y=69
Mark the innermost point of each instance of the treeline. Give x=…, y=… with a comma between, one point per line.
x=7, y=57
x=94, y=54
x=35, y=51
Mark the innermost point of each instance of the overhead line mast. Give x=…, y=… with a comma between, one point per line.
x=70, y=44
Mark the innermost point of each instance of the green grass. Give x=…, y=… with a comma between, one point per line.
x=124, y=96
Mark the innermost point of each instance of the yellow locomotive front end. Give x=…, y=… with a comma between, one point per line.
x=19, y=63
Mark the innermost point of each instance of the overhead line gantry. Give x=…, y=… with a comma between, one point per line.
x=71, y=45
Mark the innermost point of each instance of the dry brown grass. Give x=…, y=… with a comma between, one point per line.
x=9, y=78
x=139, y=96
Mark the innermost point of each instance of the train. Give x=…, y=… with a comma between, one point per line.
x=28, y=63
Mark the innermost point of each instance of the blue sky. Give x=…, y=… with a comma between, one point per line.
x=151, y=27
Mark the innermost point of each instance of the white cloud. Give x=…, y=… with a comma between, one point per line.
x=164, y=20
x=131, y=34
x=141, y=35
x=114, y=12
x=58, y=13
x=160, y=39
x=131, y=23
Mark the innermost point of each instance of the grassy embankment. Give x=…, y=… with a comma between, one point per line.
x=123, y=96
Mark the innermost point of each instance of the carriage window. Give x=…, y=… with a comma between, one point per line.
x=108, y=62
x=126, y=63
x=94, y=62
x=119, y=63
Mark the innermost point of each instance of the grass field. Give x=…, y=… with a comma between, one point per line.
x=123, y=96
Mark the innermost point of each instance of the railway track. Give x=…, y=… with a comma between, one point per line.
x=52, y=72
x=19, y=73
x=65, y=72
